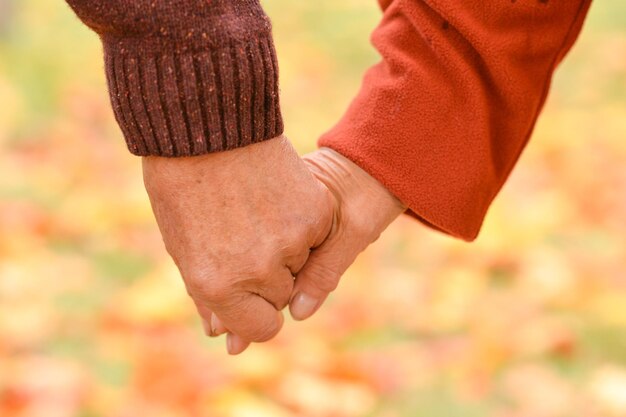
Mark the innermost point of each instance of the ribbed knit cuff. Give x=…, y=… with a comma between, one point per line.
x=183, y=102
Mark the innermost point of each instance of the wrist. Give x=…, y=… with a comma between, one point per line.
x=356, y=190
x=219, y=168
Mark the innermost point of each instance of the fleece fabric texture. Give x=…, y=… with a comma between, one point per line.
x=442, y=119
x=188, y=77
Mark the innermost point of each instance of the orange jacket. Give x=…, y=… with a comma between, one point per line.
x=443, y=118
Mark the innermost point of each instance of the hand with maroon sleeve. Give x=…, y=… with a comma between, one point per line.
x=239, y=225
x=194, y=88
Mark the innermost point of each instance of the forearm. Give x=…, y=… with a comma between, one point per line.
x=187, y=77
x=443, y=118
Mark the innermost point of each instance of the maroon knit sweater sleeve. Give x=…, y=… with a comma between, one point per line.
x=187, y=77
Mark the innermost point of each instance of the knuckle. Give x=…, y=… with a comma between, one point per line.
x=290, y=240
x=261, y=266
x=266, y=331
x=365, y=232
x=324, y=278
x=327, y=284
x=210, y=290
x=284, y=291
x=326, y=204
x=205, y=282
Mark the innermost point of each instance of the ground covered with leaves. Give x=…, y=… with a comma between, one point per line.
x=529, y=321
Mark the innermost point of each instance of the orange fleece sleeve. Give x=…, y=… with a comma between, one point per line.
x=443, y=118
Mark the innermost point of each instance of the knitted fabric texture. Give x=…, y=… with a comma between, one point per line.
x=188, y=77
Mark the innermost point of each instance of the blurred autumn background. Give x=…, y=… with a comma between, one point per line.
x=529, y=321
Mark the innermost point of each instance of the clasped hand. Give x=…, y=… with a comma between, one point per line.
x=258, y=228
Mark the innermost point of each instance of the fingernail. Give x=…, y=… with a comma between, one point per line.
x=229, y=343
x=217, y=328
x=234, y=344
x=206, y=327
x=302, y=306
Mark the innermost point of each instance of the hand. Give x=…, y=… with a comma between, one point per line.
x=239, y=225
x=363, y=209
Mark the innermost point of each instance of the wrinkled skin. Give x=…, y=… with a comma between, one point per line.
x=363, y=209
x=241, y=224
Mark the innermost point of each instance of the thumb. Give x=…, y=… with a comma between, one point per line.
x=319, y=277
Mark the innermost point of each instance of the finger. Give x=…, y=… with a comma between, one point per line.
x=251, y=317
x=275, y=286
x=296, y=261
x=235, y=344
x=206, y=326
x=217, y=327
x=205, y=316
x=319, y=277
x=211, y=324
x=251, y=309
